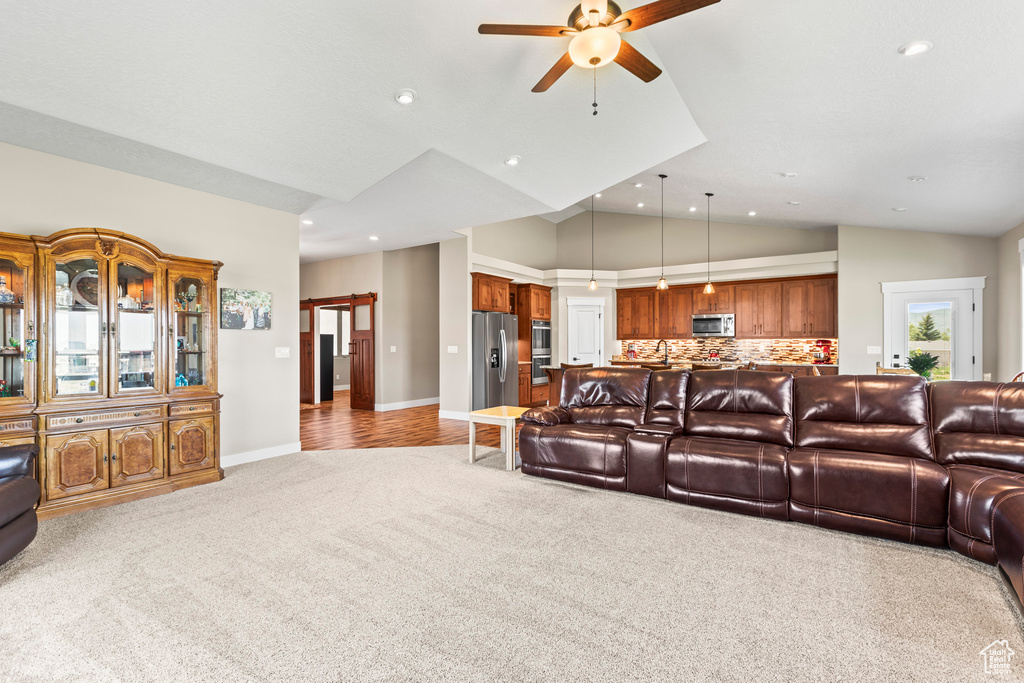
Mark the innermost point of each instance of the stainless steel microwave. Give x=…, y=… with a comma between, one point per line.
x=714, y=325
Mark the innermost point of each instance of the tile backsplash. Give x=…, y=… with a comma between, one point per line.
x=732, y=350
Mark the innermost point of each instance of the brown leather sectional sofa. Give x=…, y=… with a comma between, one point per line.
x=19, y=493
x=937, y=464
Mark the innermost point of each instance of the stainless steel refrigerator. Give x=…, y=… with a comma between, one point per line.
x=495, y=360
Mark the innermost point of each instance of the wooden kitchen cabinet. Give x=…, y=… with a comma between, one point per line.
x=675, y=306
x=524, y=385
x=490, y=293
x=809, y=308
x=634, y=310
x=719, y=302
x=534, y=302
x=539, y=394
x=758, y=309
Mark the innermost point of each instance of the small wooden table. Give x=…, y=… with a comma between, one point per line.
x=505, y=417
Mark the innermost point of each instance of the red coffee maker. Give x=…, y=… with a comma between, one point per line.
x=822, y=352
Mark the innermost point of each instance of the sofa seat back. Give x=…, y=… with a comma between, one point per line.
x=667, y=402
x=885, y=414
x=979, y=423
x=610, y=397
x=748, y=405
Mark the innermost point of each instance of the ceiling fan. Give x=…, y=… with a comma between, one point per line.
x=594, y=27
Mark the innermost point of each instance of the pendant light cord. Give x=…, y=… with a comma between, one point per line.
x=709, y=234
x=595, y=91
x=662, y=176
x=592, y=236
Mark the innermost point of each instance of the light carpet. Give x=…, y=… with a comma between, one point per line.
x=412, y=564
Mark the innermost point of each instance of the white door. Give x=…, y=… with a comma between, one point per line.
x=939, y=323
x=586, y=334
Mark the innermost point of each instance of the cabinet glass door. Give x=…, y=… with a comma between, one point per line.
x=12, y=330
x=135, y=335
x=191, y=312
x=76, y=328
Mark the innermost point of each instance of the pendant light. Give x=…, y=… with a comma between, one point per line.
x=709, y=288
x=593, y=282
x=662, y=283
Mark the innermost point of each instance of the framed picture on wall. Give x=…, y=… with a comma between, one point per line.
x=245, y=309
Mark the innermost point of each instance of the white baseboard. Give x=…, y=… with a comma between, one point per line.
x=342, y=387
x=453, y=415
x=384, y=407
x=261, y=454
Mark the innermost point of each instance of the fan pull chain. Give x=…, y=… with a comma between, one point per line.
x=595, y=92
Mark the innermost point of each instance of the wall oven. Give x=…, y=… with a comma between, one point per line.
x=538, y=376
x=541, y=339
x=714, y=325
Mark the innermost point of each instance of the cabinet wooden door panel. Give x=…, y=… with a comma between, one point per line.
x=76, y=464
x=747, y=313
x=769, y=304
x=524, y=385
x=794, y=309
x=643, y=313
x=719, y=302
x=675, y=313
x=192, y=445
x=624, y=328
x=137, y=454
x=822, y=319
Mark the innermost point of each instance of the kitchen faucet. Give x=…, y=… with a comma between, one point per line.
x=660, y=342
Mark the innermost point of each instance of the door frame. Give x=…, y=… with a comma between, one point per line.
x=307, y=370
x=573, y=301
x=977, y=284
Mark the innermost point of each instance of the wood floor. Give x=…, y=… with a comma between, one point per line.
x=334, y=425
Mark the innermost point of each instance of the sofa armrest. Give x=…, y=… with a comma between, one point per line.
x=547, y=416
x=17, y=460
x=658, y=430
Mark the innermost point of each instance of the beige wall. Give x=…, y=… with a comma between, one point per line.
x=411, y=324
x=259, y=247
x=871, y=256
x=623, y=242
x=455, y=302
x=1010, y=322
x=528, y=241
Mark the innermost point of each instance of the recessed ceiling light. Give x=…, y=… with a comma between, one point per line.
x=512, y=160
x=638, y=185
x=598, y=195
x=917, y=178
x=752, y=213
x=640, y=205
x=692, y=209
x=405, y=96
x=900, y=209
x=793, y=203
x=789, y=175
x=915, y=47
x=306, y=221
x=374, y=238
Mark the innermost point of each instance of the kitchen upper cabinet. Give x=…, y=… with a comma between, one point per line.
x=809, y=308
x=758, y=308
x=719, y=302
x=490, y=293
x=533, y=302
x=635, y=313
x=675, y=307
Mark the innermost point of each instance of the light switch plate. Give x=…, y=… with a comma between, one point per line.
x=394, y=349
x=987, y=377
x=874, y=350
x=453, y=349
x=283, y=352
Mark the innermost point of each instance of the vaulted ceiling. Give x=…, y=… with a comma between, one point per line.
x=293, y=106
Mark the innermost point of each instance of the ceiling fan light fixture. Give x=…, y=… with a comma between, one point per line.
x=594, y=47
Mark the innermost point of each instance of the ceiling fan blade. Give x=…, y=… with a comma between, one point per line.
x=526, y=30
x=646, y=15
x=635, y=63
x=560, y=67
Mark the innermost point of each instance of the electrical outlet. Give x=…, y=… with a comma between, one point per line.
x=337, y=377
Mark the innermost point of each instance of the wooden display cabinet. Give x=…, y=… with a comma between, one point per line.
x=109, y=364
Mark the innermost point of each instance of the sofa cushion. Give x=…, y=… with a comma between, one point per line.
x=726, y=474
x=905, y=499
x=606, y=396
x=868, y=413
x=597, y=452
x=974, y=493
x=979, y=423
x=741, y=404
x=667, y=402
x=16, y=535
x=17, y=494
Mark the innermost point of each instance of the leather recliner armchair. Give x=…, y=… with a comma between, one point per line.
x=19, y=493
